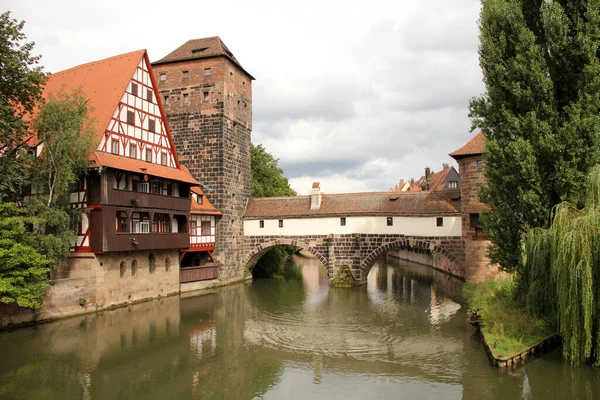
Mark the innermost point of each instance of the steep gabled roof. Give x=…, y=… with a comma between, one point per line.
x=474, y=147
x=196, y=49
x=103, y=81
x=348, y=204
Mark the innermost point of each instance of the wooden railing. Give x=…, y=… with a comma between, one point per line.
x=201, y=273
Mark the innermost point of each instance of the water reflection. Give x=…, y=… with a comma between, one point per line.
x=403, y=335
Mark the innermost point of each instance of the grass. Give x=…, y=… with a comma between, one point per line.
x=506, y=327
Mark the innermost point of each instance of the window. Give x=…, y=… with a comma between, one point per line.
x=230, y=74
x=151, y=125
x=157, y=186
x=163, y=77
x=122, y=269
x=453, y=185
x=186, y=74
x=132, y=150
x=261, y=224
x=130, y=117
x=281, y=223
x=186, y=98
x=122, y=222
x=207, y=71
x=163, y=158
x=193, y=228
x=244, y=85
x=440, y=221
x=479, y=165
x=343, y=221
x=134, y=88
x=390, y=221
x=114, y=146
x=167, y=100
x=205, y=228
x=133, y=267
x=206, y=96
x=167, y=264
x=148, y=155
x=474, y=221
x=200, y=199
x=151, y=264
x=161, y=223
x=140, y=222
x=149, y=95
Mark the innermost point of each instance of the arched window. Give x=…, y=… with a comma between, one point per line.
x=122, y=269
x=167, y=264
x=133, y=267
x=151, y=264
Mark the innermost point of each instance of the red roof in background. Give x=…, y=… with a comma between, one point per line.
x=141, y=167
x=369, y=203
x=474, y=147
x=206, y=208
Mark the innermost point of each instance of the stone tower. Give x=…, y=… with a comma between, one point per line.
x=207, y=97
x=470, y=167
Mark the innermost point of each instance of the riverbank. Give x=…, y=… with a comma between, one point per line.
x=509, y=332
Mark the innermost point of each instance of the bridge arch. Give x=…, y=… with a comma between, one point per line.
x=441, y=258
x=260, y=250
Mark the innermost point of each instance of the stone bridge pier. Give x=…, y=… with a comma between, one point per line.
x=359, y=251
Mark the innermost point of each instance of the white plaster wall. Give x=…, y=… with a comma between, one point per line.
x=416, y=226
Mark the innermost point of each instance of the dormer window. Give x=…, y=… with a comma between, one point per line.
x=200, y=199
x=200, y=50
x=453, y=185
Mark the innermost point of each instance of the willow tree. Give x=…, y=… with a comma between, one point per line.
x=563, y=274
x=539, y=113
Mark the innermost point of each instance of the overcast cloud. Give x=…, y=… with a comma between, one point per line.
x=354, y=94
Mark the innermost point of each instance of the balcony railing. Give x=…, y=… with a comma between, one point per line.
x=201, y=273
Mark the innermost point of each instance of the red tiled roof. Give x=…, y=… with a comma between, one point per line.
x=206, y=208
x=436, y=182
x=369, y=203
x=196, y=49
x=141, y=167
x=474, y=147
x=476, y=207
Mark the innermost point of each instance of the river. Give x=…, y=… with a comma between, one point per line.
x=402, y=336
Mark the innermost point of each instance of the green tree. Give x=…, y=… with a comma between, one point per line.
x=267, y=177
x=20, y=91
x=539, y=113
x=65, y=132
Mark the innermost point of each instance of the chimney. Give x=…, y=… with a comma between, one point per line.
x=444, y=166
x=315, y=196
x=427, y=173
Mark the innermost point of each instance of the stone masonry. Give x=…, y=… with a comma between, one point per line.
x=208, y=102
x=359, y=251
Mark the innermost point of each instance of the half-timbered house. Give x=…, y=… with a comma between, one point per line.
x=136, y=193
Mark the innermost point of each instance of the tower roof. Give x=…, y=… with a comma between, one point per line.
x=474, y=147
x=196, y=49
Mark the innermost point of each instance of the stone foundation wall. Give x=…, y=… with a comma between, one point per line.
x=91, y=283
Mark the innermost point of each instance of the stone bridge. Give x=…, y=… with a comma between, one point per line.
x=359, y=251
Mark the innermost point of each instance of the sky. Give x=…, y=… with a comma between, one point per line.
x=353, y=94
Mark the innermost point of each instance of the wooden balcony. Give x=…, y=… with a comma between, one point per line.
x=126, y=198
x=201, y=273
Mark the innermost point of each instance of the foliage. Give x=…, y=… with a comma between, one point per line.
x=563, y=263
x=506, y=326
x=267, y=177
x=63, y=127
x=539, y=114
x=23, y=270
x=20, y=91
x=273, y=263
x=343, y=277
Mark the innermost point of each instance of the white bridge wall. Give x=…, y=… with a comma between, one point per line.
x=414, y=226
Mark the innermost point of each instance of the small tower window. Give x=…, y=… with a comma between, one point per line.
x=205, y=96
x=163, y=77
x=479, y=165
x=134, y=88
x=186, y=98
x=440, y=221
x=207, y=71
x=166, y=100
x=186, y=74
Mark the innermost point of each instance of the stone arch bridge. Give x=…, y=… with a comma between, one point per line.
x=359, y=251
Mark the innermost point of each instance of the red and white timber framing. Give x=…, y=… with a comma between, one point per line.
x=137, y=123
x=78, y=199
